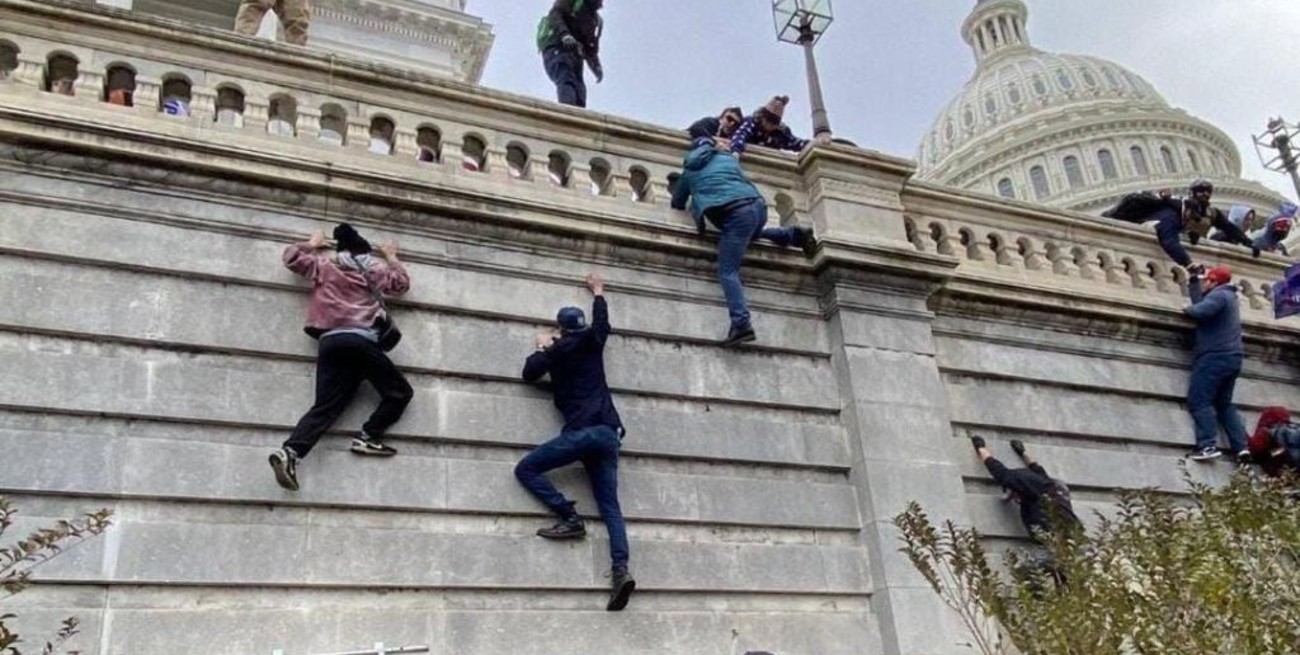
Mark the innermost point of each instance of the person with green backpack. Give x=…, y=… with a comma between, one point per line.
x=569, y=36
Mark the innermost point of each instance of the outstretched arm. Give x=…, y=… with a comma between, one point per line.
x=1207, y=307
x=391, y=280
x=1230, y=230
x=1001, y=474
x=599, y=309
x=740, y=139
x=302, y=258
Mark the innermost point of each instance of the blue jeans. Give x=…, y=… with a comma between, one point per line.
x=565, y=70
x=740, y=227
x=597, y=448
x=1209, y=399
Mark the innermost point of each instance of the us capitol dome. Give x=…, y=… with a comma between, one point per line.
x=1070, y=131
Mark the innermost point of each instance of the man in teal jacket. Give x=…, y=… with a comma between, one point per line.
x=720, y=192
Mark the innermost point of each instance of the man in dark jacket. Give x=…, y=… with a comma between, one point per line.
x=1173, y=216
x=722, y=126
x=1219, y=355
x=719, y=191
x=1041, y=498
x=567, y=36
x=575, y=359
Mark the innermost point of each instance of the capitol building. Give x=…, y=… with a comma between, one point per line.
x=1070, y=131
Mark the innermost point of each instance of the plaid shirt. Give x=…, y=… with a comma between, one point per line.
x=779, y=139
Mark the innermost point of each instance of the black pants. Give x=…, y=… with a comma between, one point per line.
x=343, y=362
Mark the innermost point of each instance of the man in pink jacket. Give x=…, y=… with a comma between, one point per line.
x=344, y=308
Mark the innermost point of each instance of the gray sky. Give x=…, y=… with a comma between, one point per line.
x=890, y=66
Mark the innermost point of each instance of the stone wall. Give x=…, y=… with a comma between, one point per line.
x=153, y=356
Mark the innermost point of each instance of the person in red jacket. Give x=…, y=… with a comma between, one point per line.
x=348, y=285
x=1275, y=444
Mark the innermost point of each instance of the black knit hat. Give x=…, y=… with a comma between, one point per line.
x=348, y=239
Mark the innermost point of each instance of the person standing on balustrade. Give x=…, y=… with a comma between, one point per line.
x=719, y=191
x=568, y=36
x=574, y=357
x=294, y=15
x=348, y=315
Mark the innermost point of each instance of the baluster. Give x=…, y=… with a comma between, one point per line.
x=203, y=104
x=147, y=92
x=257, y=113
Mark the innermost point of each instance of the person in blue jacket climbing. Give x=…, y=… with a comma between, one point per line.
x=720, y=192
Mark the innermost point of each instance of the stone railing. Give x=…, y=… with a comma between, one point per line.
x=1019, y=247
x=215, y=86
x=219, y=90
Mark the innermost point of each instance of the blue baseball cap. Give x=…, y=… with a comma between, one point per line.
x=571, y=319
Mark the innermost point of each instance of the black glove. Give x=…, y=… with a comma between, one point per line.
x=569, y=43
x=1018, y=446
x=978, y=442
x=1196, y=270
x=1254, y=252
x=1194, y=237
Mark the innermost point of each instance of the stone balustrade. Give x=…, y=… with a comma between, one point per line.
x=321, y=111
x=1084, y=256
x=265, y=96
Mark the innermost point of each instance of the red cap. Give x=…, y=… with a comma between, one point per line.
x=1219, y=275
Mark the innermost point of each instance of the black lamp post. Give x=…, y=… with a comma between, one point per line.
x=802, y=22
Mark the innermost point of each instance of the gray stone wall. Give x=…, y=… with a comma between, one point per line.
x=154, y=354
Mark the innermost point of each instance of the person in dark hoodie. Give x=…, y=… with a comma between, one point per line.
x=592, y=432
x=1173, y=216
x=348, y=285
x=721, y=126
x=719, y=191
x=568, y=36
x=1219, y=354
x=1041, y=497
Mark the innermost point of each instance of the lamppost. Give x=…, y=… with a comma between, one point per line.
x=1281, y=139
x=802, y=22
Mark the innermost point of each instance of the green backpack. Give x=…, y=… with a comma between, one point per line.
x=545, y=30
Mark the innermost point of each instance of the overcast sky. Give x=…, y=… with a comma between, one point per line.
x=890, y=66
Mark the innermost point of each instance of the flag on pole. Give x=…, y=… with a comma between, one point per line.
x=1286, y=294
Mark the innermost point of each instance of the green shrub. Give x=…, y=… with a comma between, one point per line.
x=1216, y=573
x=19, y=559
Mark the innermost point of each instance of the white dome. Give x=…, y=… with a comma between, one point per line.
x=1020, y=85
x=1068, y=131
